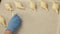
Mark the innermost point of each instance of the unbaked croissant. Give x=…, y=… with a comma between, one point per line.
x=55, y=7
x=19, y=4
x=8, y=6
x=33, y=5
x=2, y=21
x=44, y=5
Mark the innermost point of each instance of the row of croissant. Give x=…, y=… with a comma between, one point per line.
x=32, y=5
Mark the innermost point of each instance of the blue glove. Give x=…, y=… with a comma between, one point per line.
x=14, y=23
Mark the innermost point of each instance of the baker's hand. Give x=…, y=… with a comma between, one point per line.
x=14, y=23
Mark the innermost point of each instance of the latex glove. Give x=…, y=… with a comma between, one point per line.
x=14, y=23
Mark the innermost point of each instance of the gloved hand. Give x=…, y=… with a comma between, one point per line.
x=14, y=23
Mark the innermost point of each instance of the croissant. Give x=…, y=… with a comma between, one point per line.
x=55, y=7
x=44, y=5
x=33, y=5
x=2, y=21
x=19, y=5
x=8, y=6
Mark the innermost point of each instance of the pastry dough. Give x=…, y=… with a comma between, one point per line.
x=44, y=5
x=8, y=6
x=33, y=5
x=2, y=21
x=19, y=4
x=55, y=7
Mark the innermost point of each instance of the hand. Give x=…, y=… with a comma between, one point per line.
x=14, y=23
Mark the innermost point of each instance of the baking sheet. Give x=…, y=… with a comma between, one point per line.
x=34, y=22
